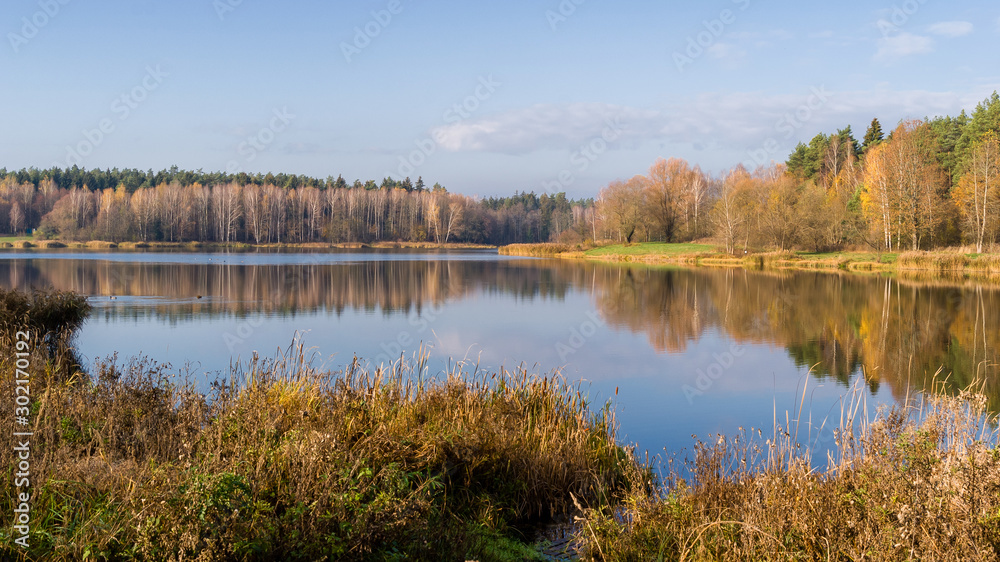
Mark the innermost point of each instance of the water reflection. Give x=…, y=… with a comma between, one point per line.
x=893, y=331
x=659, y=327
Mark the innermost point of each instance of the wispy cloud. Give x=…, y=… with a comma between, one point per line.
x=902, y=45
x=734, y=121
x=543, y=126
x=726, y=51
x=951, y=28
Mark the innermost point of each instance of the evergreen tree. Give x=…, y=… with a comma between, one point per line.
x=873, y=136
x=796, y=163
x=985, y=118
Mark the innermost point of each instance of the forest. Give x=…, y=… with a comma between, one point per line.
x=181, y=206
x=926, y=184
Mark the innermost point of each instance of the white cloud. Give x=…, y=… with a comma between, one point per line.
x=951, y=28
x=902, y=45
x=726, y=51
x=727, y=121
x=543, y=126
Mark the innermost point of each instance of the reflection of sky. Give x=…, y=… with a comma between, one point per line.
x=494, y=328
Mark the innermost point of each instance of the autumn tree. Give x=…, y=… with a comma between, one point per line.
x=144, y=211
x=621, y=205
x=902, y=181
x=732, y=211
x=666, y=190
x=976, y=192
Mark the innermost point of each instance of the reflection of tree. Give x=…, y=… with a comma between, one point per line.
x=228, y=288
x=898, y=332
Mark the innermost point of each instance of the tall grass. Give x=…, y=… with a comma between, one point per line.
x=286, y=462
x=908, y=484
x=51, y=317
x=534, y=250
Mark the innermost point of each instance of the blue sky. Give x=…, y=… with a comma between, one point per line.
x=486, y=98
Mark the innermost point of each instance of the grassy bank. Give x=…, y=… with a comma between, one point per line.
x=284, y=462
x=904, y=486
x=952, y=261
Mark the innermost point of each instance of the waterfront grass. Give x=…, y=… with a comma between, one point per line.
x=905, y=485
x=283, y=461
x=960, y=261
x=535, y=250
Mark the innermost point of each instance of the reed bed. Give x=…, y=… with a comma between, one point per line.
x=917, y=483
x=534, y=250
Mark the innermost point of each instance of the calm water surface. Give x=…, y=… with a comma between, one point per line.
x=697, y=351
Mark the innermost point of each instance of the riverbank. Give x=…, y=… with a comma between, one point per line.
x=952, y=261
x=286, y=462
x=912, y=484
x=24, y=243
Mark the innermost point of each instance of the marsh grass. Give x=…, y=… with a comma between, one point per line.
x=918, y=482
x=534, y=250
x=282, y=461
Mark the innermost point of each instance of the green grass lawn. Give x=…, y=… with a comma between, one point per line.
x=12, y=239
x=646, y=248
x=856, y=256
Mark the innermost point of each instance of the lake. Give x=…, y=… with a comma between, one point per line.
x=680, y=352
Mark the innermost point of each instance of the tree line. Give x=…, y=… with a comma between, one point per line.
x=179, y=206
x=929, y=183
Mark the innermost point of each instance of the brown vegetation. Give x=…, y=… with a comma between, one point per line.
x=906, y=485
x=283, y=462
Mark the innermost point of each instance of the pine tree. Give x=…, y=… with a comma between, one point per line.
x=873, y=136
x=985, y=118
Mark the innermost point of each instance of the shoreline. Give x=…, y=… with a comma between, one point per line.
x=949, y=262
x=105, y=245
